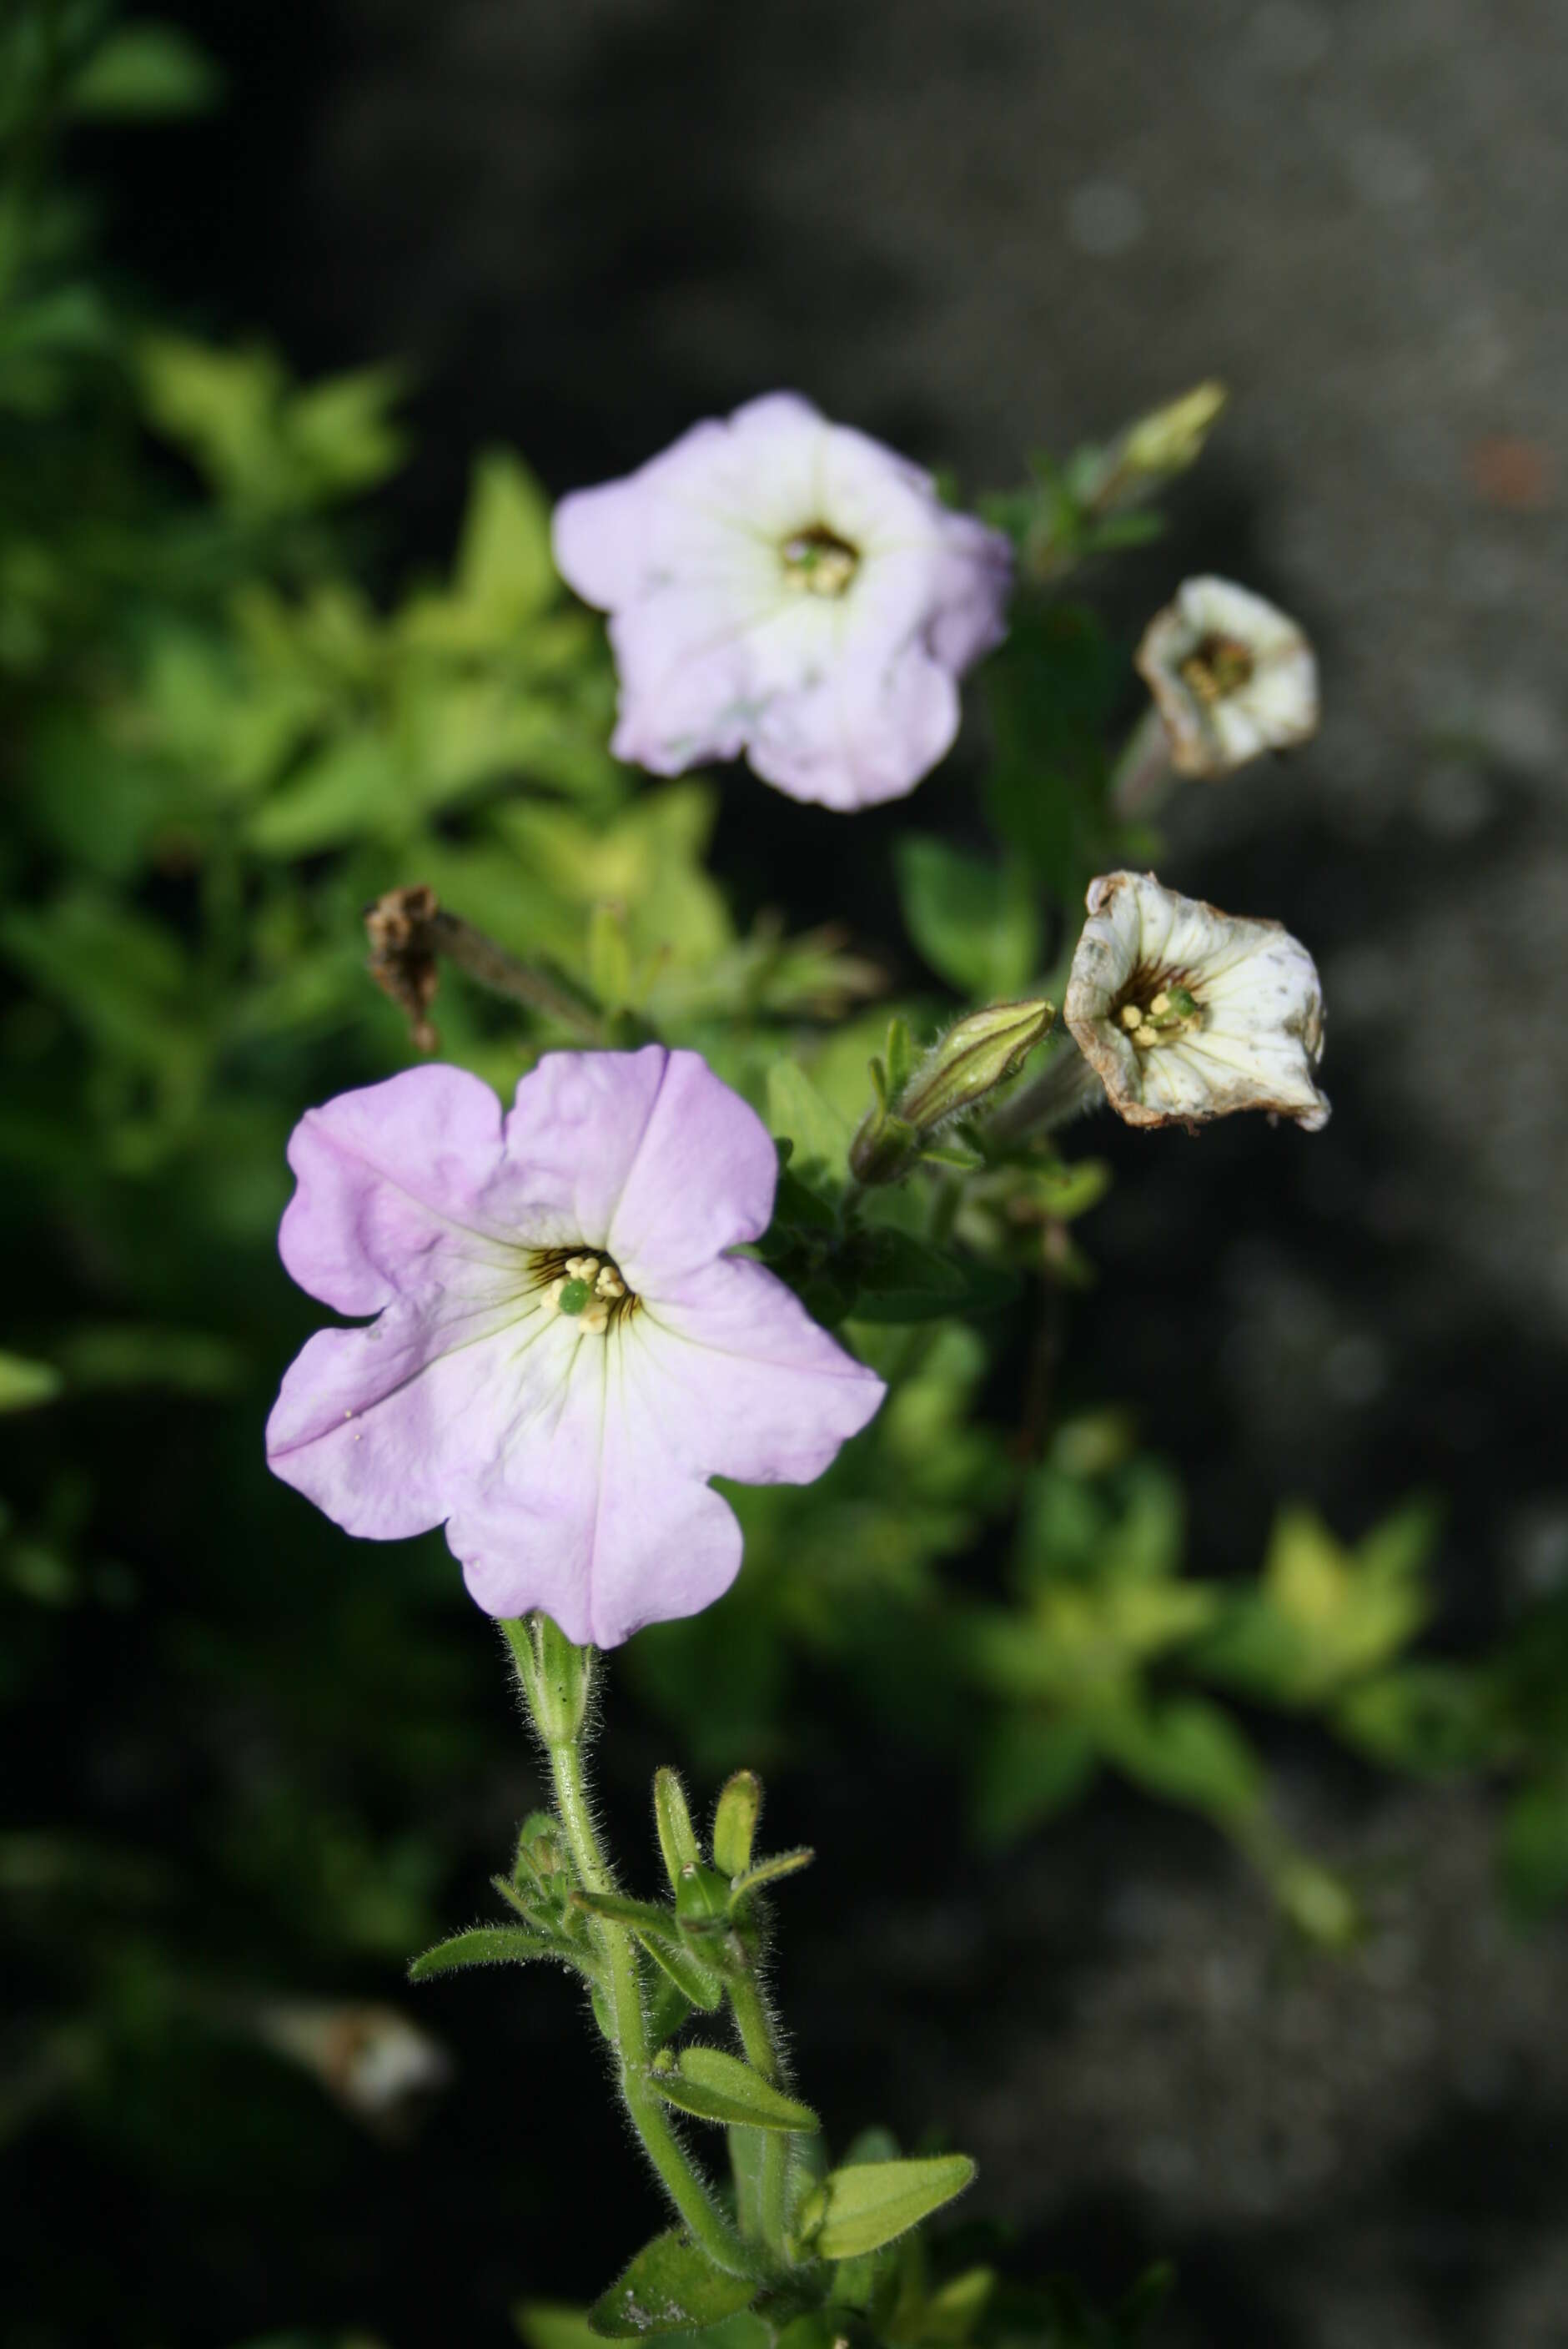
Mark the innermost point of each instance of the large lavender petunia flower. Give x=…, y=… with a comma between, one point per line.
x=563, y=1352
x=786, y=588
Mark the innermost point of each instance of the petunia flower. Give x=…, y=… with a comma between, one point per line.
x=786, y=588
x=563, y=1351
x=1186, y=1013
x=1232, y=676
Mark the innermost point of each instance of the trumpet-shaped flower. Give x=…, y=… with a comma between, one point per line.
x=562, y=1352
x=1186, y=1013
x=1231, y=675
x=785, y=586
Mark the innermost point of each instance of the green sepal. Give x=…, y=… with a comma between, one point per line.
x=859, y=2209
x=483, y=1945
x=539, y=1826
x=703, y=1899
x=769, y=1871
x=678, y=1839
x=735, y=1823
x=714, y=2087
x=696, y=1982
x=641, y=1916
x=670, y=2287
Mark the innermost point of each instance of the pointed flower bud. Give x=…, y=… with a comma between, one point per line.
x=981, y=1051
x=1171, y=439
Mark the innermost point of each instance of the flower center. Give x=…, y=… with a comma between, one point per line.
x=585, y=1285
x=817, y=562
x=1168, y=1016
x=1217, y=667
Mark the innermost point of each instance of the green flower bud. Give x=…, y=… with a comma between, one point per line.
x=976, y=1055
x=1171, y=439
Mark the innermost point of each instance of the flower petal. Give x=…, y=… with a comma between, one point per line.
x=593, y=1520
x=647, y=1154
x=382, y=1428
x=391, y=1177
x=749, y=1385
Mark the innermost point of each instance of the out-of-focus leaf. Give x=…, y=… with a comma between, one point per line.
x=797, y=1112
x=25, y=1384
x=144, y=71
x=976, y=923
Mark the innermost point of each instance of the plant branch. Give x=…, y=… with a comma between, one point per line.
x=409, y=931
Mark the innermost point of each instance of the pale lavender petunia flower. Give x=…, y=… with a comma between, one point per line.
x=786, y=588
x=564, y=1352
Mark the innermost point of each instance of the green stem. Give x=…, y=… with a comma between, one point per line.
x=762, y=2052
x=624, y=1988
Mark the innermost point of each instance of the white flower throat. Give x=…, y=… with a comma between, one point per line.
x=818, y=562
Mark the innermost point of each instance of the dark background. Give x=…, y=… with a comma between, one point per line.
x=974, y=227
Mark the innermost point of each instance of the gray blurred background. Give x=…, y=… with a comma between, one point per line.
x=975, y=227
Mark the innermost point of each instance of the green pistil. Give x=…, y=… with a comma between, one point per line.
x=574, y=1296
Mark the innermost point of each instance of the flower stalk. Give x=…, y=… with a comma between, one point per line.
x=556, y=1679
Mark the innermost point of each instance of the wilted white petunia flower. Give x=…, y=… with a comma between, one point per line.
x=1232, y=676
x=1186, y=1013
x=785, y=586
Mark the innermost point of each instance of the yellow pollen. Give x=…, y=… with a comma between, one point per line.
x=1165, y=1019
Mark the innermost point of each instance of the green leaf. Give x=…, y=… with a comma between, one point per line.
x=821, y=1137
x=859, y=2209
x=143, y=71
x=670, y=2287
x=25, y=1384
x=977, y=924
x=696, y=1983
x=735, y=1823
x=504, y=568
x=677, y=1840
x=900, y=1278
x=482, y=1945
x=1190, y=1752
x=349, y=789
x=714, y=2087
x=1429, y=1718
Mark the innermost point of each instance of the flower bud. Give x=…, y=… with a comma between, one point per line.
x=981, y=1051
x=1172, y=438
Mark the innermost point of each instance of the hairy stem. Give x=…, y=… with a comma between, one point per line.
x=623, y=1984
x=762, y=2052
